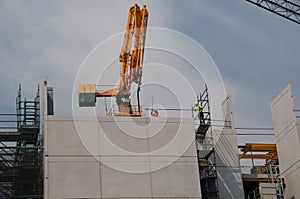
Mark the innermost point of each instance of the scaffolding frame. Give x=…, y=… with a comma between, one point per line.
x=21, y=150
x=267, y=152
x=206, y=156
x=274, y=174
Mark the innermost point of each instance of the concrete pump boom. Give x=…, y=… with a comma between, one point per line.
x=131, y=66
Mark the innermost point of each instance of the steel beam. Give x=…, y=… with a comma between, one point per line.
x=253, y=156
x=258, y=147
x=9, y=136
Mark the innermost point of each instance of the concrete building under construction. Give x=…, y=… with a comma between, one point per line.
x=126, y=154
x=48, y=157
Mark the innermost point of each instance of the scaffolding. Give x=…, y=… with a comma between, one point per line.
x=206, y=153
x=274, y=173
x=21, y=150
x=261, y=174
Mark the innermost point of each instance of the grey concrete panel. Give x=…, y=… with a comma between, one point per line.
x=117, y=184
x=180, y=179
x=122, y=144
x=127, y=164
x=74, y=178
x=123, y=138
x=172, y=139
x=155, y=198
x=126, y=198
x=282, y=108
x=227, y=150
x=287, y=140
x=174, y=198
x=88, y=132
x=292, y=182
x=121, y=119
x=228, y=168
x=227, y=157
x=169, y=120
x=287, y=148
x=267, y=191
x=64, y=139
x=230, y=183
x=227, y=113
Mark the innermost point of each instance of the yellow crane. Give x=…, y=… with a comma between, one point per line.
x=131, y=67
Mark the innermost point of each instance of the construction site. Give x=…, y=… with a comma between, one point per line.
x=133, y=151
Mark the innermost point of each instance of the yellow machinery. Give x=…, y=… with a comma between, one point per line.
x=131, y=67
x=255, y=151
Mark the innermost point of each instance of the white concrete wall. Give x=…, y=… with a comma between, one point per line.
x=287, y=136
x=267, y=191
x=108, y=157
x=227, y=157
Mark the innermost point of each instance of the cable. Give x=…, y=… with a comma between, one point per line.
x=246, y=134
x=168, y=109
x=254, y=128
x=218, y=120
x=246, y=128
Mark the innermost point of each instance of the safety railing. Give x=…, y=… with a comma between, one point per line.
x=135, y=110
x=255, y=194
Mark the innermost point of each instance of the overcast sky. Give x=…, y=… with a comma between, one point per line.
x=256, y=52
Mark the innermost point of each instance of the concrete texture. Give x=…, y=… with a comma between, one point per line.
x=267, y=191
x=73, y=177
x=178, y=180
x=116, y=184
x=122, y=157
x=227, y=157
x=65, y=144
x=287, y=136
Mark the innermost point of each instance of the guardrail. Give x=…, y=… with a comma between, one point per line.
x=114, y=111
x=8, y=121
